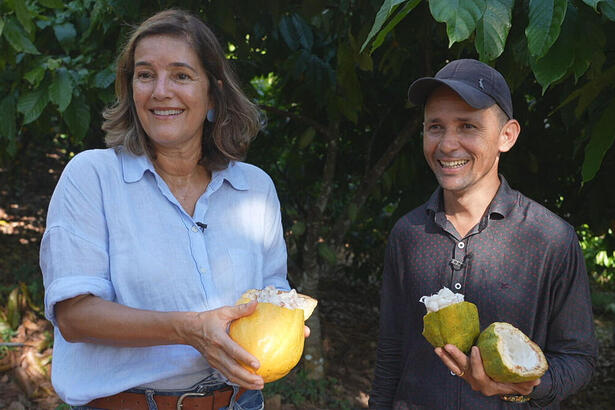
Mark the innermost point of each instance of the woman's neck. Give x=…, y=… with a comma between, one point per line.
x=185, y=177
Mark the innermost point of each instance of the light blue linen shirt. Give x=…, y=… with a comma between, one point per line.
x=115, y=230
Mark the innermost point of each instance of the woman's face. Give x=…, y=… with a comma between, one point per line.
x=170, y=92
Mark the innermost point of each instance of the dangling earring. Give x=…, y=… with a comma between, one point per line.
x=211, y=115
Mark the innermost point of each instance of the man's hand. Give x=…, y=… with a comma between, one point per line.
x=472, y=371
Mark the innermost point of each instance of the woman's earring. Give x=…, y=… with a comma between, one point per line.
x=211, y=115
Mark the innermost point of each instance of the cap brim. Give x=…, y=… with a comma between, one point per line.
x=421, y=88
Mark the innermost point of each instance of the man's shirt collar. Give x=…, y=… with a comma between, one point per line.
x=502, y=203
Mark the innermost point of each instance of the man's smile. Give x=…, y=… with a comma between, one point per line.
x=453, y=164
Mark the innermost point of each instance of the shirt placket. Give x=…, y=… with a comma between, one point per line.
x=197, y=229
x=459, y=266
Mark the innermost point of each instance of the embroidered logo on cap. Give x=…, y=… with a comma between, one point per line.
x=480, y=84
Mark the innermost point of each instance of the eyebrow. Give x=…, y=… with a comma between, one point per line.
x=177, y=64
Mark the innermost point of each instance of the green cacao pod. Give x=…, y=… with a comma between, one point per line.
x=456, y=324
x=509, y=356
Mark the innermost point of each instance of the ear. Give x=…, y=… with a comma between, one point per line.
x=509, y=134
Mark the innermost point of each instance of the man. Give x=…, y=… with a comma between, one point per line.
x=516, y=260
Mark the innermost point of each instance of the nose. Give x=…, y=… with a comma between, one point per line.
x=449, y=140
x=161, y=88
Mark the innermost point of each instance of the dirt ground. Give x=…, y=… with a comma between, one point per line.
x=349, y=319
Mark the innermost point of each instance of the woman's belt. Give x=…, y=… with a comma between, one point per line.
x=187, y=401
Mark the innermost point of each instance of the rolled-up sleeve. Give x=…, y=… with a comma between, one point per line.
x=74, y=251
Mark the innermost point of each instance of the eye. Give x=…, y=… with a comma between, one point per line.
x=183, y=77
x=468, y=126
x=144, y=75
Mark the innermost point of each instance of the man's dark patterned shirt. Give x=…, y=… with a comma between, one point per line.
x=521, y=264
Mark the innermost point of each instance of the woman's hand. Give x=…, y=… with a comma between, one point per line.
x=207, y=332
x=472, y=371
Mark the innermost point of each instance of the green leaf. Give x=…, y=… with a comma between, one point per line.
x=388, y=6
x=326, y=253
x=61, y=89
x=32, y=104
x=553, y=66
x=546, y=17
x=104, y=78
x=17, y=37
x=460, y=16
x=296, y=32
x=77, y=117
x=492, y=29
x=35, y=76
x=1, y=25
x=298, y=228
x=53, y=4
x=588, y=93
x=589, y=39
x=66, y=34
x=8, y=118
x=408, y=7
x=307, y=137
x=601, y=140
x=607, y=8
x=592, y=3
x=53, y=63
x=365, y=62
x=561, y=56
x=23, y=15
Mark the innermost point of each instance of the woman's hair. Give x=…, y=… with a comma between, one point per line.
x=237, y=119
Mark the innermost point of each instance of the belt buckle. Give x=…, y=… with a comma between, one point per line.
x=183, y=396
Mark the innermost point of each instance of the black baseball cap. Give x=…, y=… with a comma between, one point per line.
x=478, y=84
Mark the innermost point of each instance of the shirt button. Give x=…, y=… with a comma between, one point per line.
x=202, y=269
x=457, y=285
x=194, y=228
x=461, y=245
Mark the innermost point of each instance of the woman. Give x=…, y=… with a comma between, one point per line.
x=150, y=242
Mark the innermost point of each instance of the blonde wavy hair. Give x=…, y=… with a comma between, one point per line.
x=237, y=119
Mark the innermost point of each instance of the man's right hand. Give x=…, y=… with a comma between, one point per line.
x=472, y=371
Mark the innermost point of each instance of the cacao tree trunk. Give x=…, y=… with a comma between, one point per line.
x=313, y=355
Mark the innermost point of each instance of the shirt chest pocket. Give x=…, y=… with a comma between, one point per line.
x=234, y=270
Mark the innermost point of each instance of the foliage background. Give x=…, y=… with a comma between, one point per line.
x=341, y=143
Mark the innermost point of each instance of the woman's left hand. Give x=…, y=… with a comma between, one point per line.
x=207, y=332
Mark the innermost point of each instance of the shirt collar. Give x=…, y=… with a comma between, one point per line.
x=232, y=174
x=504, y=200
x=133, y=168
x=502, y=203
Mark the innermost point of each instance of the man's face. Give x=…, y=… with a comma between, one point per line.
x=462, y=144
